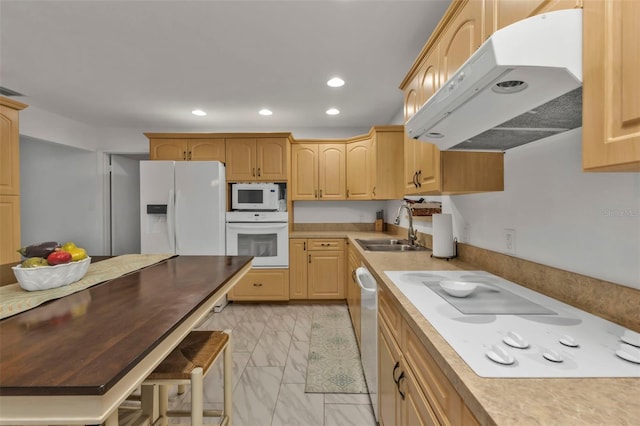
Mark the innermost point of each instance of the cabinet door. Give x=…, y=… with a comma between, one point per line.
x=10, y=229
x=332, y=172
x=298, y=268
x=359, y=170
x=304, y=172
x=168, y=149
x=207, y=150
x=326, y=274
x=500, y=13
x=389, y=369
x=416, y=410
x=241, y=159
x=387, y=156
x=262, y=284
x=461, y=38
x=9, y=152
x=271, y=154
x=611, y=91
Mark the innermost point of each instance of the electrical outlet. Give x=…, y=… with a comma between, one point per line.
x=466, y=233
x=510, y=241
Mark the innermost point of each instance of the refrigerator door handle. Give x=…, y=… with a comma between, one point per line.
x=176, y=221
x=171, y=221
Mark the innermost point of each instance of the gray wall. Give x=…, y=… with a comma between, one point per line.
x=62, y=195
x=125, y=205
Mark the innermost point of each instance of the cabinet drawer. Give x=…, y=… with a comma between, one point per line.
x=262, y=284
x=388, y=311
x=326, y=244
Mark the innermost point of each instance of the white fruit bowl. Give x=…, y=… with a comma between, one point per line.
x=458, y=288
x=47, y=277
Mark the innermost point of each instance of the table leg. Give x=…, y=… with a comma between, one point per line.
x=149, y=401
x=112, y=420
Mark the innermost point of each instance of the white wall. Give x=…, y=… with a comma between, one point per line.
x=61, y=195
x=336, y=211
x=41, y=124
x=587, y=223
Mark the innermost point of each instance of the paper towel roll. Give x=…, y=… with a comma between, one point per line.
x=442, y=235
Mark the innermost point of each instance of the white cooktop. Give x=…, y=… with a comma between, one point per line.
x=550, y=339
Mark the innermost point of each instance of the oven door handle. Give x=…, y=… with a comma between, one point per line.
x=258, y=226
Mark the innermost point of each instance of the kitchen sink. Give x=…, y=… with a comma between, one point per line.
x=389, y=245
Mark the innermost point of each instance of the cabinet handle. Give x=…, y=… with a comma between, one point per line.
x=321, y=193
x=253, y=171
x=189, y=156
x=304, y=245
x=374, y=191
x=393, y=373
x=415, y=179
x=184, y=155
x=309, y=258
x=419, y=178
x=315, y=194
x=257, y=284
x=353, y=276
x=258, y=171
x=402, y=395
x=347, y=193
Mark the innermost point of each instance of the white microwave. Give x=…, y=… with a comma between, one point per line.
x=255, y=196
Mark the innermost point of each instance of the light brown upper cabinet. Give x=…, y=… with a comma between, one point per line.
x=374, y=164
x=10, y=146
x=9, y=183
x=427, y=170
x=611, y=90
x=360, y=170
x=420, y=166
x=257, y=159
x=500, y=13
x=387, y=153
x=318, y=171
x=462, y=37
x=179, y=148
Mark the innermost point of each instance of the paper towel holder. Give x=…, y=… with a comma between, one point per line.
x=455, y=251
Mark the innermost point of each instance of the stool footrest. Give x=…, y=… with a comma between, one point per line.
x=199, y=349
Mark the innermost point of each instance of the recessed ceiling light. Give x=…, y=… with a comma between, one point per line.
x=265, y=111
x=335, y=82
x=333, y=111
x=198, y=112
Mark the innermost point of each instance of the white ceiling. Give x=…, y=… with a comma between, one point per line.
x=146, y=64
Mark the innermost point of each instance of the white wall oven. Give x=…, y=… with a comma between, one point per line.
x=263, y=235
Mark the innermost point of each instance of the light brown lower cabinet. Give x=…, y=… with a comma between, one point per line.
x=412, y=388
x=261, y=285
x=322, y=262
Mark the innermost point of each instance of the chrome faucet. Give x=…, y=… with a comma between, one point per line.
x=411, y=234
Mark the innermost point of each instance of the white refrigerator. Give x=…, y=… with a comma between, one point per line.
x=182, y=207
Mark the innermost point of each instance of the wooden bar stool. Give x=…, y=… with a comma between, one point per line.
x=189, y=363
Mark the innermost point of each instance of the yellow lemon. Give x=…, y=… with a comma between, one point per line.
x=68, y=246
x=77, y=253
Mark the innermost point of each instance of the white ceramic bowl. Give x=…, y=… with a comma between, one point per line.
x=458, y=288
x=46, y=277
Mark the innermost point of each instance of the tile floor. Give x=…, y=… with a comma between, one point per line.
x=270, y=348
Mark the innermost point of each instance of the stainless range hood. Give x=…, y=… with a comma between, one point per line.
x=523, y=84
